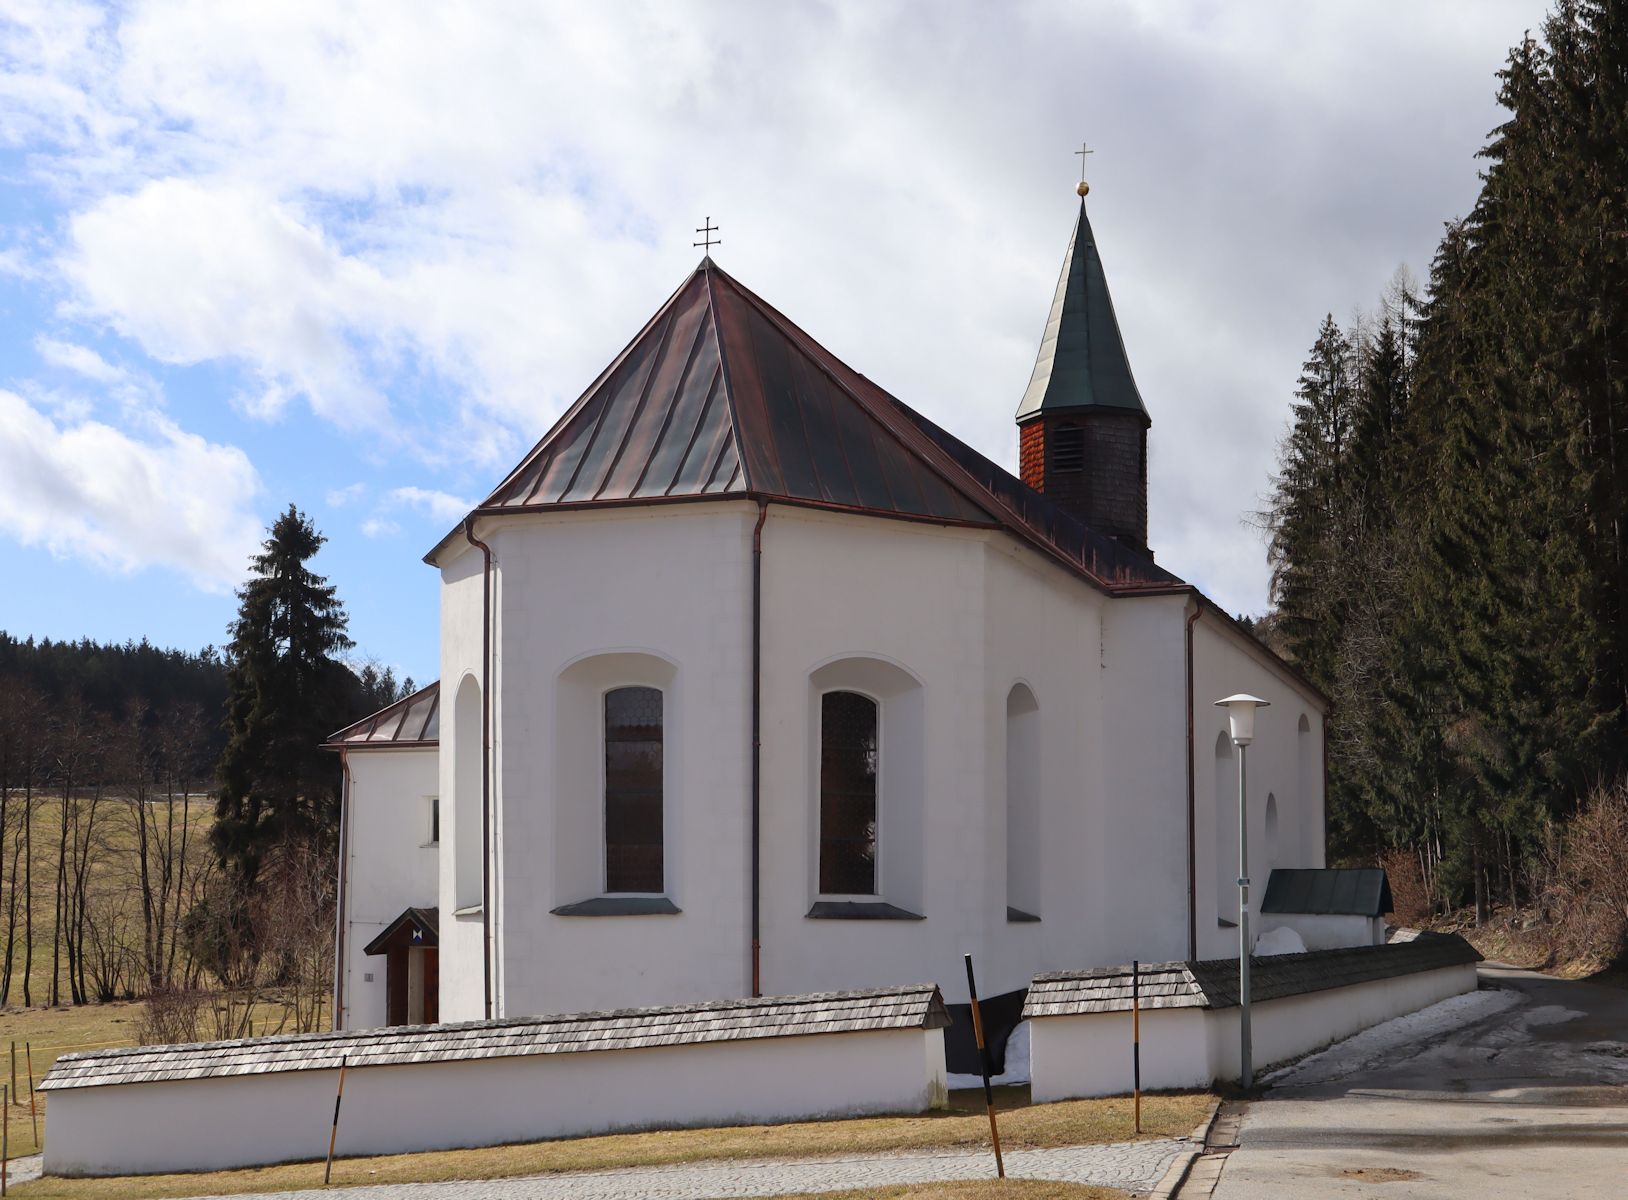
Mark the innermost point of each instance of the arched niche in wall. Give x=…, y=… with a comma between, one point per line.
x=1271, y=847
x=893, y=723
x=1308, y=803
x=1226, y=830
x=615, y=798
x=467, y=833
x=1023, y=832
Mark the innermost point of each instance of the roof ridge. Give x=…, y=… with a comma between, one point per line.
x=709, y=269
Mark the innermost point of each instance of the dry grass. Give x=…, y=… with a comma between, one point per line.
x=1023, y=1125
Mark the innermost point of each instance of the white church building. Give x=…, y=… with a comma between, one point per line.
x=755, y=681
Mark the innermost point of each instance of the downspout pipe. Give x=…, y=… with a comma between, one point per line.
x=485, y=761
x=1194, y=611
x=757, y=745
x=339, y=891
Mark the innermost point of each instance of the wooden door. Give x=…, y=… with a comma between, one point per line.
x=432, y=985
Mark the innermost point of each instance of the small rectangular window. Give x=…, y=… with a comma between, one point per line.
x=633, y=790
x=435, y=821
x=848, y=754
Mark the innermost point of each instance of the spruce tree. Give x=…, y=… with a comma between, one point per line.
x=288, y=691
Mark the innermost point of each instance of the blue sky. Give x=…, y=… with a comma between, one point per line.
x=357, y=257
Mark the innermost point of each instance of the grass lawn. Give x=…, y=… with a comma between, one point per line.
x=1023, y=1125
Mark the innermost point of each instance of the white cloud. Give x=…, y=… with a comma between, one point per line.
x=441, y=505
x=81, y=360
x=87, y=490
x=375, y=527
x=470, y=211
x=339, y=497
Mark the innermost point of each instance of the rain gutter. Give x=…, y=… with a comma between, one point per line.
x=757, y=744
x=1194, y=611
x=339, y=896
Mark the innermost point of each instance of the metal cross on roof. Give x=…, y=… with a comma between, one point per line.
x=706, y=230
x=1082, y=152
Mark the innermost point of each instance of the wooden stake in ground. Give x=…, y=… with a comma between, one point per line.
x=14, y=1072
x=983, y=1059
x=333, y=1134
x=33, y=1107
x=5, y=1135
x=1136, y=1040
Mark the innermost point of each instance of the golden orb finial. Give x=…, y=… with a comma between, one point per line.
x=1082, y=188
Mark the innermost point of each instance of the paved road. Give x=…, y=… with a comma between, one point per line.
x=1134, y=1166
x=1531, y=1101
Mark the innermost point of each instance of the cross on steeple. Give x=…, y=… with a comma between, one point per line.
x=1084, y=186
x=706, y=229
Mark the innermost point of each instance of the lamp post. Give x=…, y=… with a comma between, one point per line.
x=1241, y=719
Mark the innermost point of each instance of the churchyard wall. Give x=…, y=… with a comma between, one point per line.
x=1089, y=1054
x=250, y=1120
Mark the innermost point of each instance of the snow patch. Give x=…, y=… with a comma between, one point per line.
x=1550, y=1014
x=1378, y=1042
x=1017, y=1064
x=1281, y=940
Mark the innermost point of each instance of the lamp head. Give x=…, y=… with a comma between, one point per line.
x=1241, y=716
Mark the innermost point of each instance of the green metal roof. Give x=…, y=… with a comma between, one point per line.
x=1082, y=361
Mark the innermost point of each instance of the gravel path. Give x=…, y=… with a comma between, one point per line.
x=1134, y=1166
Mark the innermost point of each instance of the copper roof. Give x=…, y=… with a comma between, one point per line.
x=411, y=721
x=719, y=395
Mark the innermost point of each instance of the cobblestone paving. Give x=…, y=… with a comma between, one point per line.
x=1133, y=1166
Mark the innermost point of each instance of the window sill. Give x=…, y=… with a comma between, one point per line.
x=619, y=906
x=860, y=910
x=1223, y=923
x=474, y=910
x=1016, y=916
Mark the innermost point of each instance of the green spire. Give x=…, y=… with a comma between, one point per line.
x=1082, y=361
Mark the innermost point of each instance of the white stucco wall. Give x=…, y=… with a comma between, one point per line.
x=946, y=622
x=391, y=864
x=462, y=983
x=1284, y=764
x=213, y=1124
x=1090, y=1055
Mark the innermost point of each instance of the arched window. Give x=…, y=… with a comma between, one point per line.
x=633, y=791
x=466, y=797
x=1067, y=448
x=1022, y=804
x=848, y=774
x=1226, y=831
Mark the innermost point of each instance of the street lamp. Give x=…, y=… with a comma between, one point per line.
x=1241, y=718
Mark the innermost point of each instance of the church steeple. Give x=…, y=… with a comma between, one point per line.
x=1083, y=427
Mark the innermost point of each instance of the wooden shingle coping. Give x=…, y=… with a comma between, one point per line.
x=916, y=1007
x=1213, y=983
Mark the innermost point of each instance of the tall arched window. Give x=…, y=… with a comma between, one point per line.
x=1022, y=804
x=848, y=774
x=633, y=794
x=1226, y=831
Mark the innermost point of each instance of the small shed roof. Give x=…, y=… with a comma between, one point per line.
x=424, y=925
x=915, y=1007
x=1354, y=892
x=1213, y=983
x=411, y=721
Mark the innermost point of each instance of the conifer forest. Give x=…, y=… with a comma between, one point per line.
x=1446, y=526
